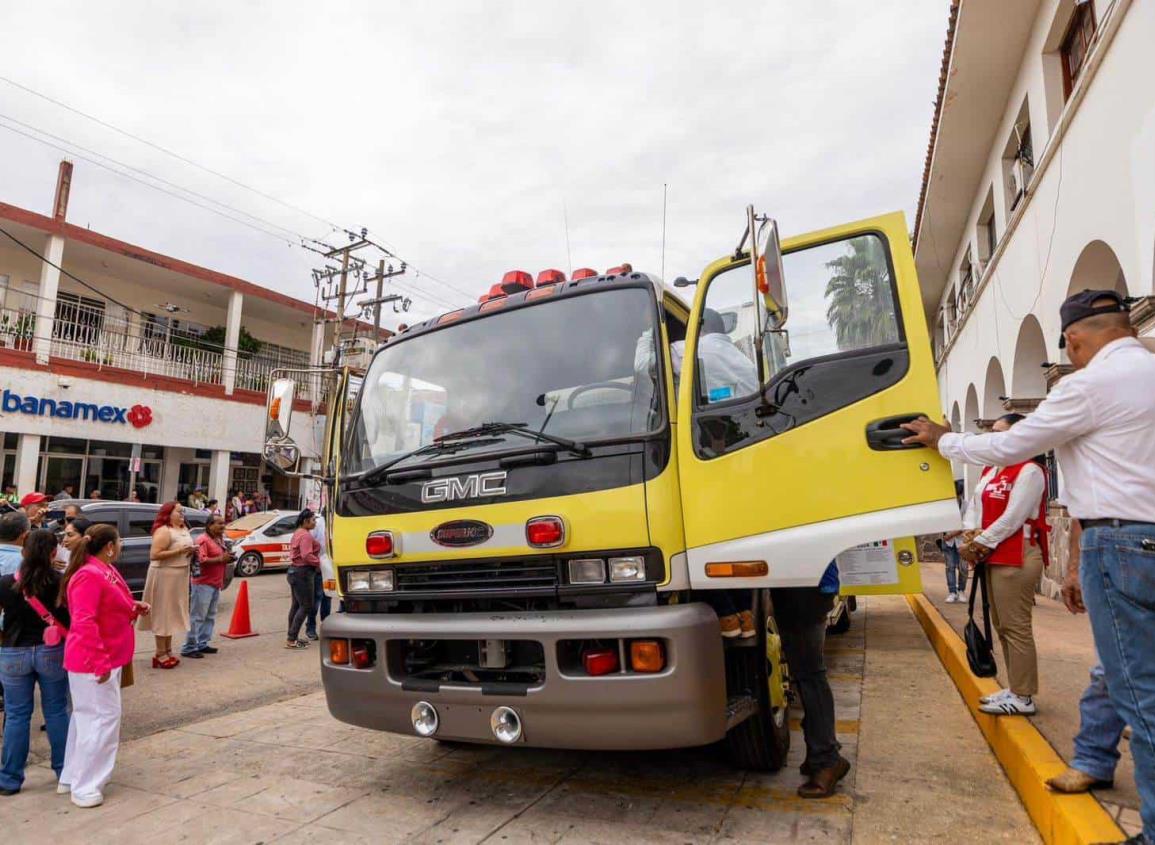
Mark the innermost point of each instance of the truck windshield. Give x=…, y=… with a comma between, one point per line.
x=565, y=366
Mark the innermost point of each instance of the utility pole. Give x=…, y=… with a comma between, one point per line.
x=323, y=278
x=384, y=273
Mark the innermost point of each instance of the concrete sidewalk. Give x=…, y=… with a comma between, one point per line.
x=1066, y=654
x=287, y=772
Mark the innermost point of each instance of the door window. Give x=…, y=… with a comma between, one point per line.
x=140, y=523
x=285, y=525
x=843, y=342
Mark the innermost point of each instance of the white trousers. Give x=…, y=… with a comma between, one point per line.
x=93, y=733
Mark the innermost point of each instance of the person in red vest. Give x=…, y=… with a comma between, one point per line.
x=1009, y=506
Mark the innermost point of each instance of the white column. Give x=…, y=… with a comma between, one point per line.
x=170, y=473
x=219, y=477
x=46, y=303
x=27, y=458
x=317, y=344
x=232, y=337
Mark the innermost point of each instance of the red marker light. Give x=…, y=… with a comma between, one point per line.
x=600, y=662
x=584, y=273
x=451, y=316
x=379, y=544
x=545, y=532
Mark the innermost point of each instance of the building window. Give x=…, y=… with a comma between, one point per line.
x=1020, y=163
x=1077, y=44
x=988, y=237
x=966, y=283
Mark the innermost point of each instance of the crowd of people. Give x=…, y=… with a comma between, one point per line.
x=1099, y=421
x=68, y=627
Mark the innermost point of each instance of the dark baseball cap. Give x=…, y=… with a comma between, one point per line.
x=1078, y=306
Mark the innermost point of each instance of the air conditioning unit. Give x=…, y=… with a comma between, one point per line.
x=1020, y=176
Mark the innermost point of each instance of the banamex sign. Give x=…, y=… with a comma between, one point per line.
x=138, y=416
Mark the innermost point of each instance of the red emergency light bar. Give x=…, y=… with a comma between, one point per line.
x=550, y=277
x=515, y=281
x=621, y=269
x=584, y=273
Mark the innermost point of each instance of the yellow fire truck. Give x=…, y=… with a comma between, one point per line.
x=529, y=497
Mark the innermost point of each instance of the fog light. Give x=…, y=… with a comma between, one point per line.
x=358, y=581
x=339, y=652
x=424, y=718
x=587, y=571
x=601, y=662
x=506, y=725
x=363, y=654
x=647, y=656
x=381, y=580
x=632, y=568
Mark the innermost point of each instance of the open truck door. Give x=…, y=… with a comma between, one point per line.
x=789, y=440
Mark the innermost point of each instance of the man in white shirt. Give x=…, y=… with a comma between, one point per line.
x=1101, y=423
x=726, y=372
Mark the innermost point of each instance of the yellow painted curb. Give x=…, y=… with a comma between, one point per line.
x=1023, y=752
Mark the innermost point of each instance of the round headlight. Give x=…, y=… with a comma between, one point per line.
x=506, y=725
x=424, y=718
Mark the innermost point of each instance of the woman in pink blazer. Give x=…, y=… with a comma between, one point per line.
x=100, y=643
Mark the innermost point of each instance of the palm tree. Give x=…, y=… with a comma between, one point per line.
x=860, y=306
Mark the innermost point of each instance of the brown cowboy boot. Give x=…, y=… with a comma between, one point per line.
x=821, y=783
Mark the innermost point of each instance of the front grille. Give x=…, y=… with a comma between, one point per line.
x=447, y=578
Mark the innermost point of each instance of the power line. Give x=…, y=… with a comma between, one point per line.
x=304, y=239
x=169, y=152
x=218, y=212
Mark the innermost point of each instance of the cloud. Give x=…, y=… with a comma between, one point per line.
x=458, y=132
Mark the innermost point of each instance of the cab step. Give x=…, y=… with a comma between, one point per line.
x=739, y=709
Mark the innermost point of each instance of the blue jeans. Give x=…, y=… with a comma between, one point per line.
x=21, y=669
x=202, y=611
x=956, y=570
x=1100, y=729
x=322, y=604
x=1118, y=578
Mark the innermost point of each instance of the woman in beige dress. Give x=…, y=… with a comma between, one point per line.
x=166, y=587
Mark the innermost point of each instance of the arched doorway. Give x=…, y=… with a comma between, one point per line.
x=956, y=425
x=995, y=388
x=970, y=415
x=1097, y=268
x=1028, y=380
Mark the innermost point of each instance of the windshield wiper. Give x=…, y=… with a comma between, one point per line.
x=437, y=447
x=490, y=429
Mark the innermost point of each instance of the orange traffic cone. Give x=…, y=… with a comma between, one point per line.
x=241, y=625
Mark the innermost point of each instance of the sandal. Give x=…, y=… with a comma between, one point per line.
x=297, y=644
x=169, y=662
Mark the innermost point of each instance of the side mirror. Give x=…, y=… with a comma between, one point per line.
x=283, y=455
x=769, y=278
x=279, y=409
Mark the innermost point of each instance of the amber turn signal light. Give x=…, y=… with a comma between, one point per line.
x=647, y=656
x=738, y=569
x=339, y=652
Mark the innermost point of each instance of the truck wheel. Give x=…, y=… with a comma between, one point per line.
x=760, y=742
x=249, y=564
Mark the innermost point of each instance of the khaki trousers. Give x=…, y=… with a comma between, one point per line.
x=1012, y=597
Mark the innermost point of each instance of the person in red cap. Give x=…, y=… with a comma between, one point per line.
x=36, y=506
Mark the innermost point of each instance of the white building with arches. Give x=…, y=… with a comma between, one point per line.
x=1039, y=181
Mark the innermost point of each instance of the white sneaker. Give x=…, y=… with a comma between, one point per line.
x=995, y=696
x=1012, y=705
x=94, y=800
x=951, y=598
x=63, y=789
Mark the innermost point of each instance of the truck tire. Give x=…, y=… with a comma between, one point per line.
x=760, y=742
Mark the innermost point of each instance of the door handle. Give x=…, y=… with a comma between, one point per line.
x=886, y=435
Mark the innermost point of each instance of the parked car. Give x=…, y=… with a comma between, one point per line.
x=261, y=540
x=134, y=522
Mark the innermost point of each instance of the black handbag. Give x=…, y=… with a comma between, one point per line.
x=980, y=654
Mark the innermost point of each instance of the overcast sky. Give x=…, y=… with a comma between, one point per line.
x=462, y=133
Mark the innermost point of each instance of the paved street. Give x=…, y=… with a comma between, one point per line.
x=286, y=772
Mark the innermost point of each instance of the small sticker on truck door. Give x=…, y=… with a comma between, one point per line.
x=868, y=564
